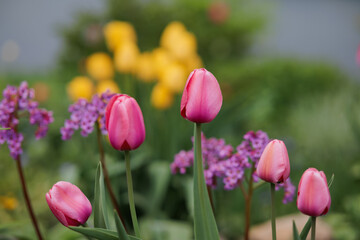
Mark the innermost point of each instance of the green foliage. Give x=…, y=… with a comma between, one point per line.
x=101, y=219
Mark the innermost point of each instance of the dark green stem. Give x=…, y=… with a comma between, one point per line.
x=131, y=195
x=248, y=198
x=273, y=222
x=313, y=227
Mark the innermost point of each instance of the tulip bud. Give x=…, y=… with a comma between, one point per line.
x=69, y=205
x=202, y=99
x=274, y=163
x=124, y=123
x=313, y=193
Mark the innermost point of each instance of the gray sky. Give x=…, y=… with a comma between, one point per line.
x=324, y=30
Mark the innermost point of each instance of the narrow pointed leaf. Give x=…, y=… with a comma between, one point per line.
x=100, y=233
x=4, y=128
x=306, y=230
x=295, y=232
x=204, y=220
x=331, y=180
x=120, y=228
x=100, y=210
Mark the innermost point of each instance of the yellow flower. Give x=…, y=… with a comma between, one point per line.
x=180, y=43
x=145, y=67
x=80, y=87
x=105, y=85
x=172, y=31
x=117, y=32
x=183, y=46
x=193, y=62
x=9, y=203
x=100, y=66
x=174, y=77
x=161, y=97
x=125, y=57
x=161, y=59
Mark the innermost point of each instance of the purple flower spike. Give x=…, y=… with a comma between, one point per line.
x=15, y=101
x=84, y=115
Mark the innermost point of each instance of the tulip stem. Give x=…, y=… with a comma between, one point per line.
x=313, y=227
x=201, y=198
x=248, y=199
x=273, y=222
x=106, y=174
x=131, y=195
x=27, y=198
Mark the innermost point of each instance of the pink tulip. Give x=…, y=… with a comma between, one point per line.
x=69, y=205
x=313, y=193
x=202, y=99
x=274, y=163
x=124, y=123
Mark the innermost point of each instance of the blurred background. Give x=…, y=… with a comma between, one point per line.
x=288, y=68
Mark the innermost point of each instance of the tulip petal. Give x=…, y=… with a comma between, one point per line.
x=136, y=128
x=119, y=123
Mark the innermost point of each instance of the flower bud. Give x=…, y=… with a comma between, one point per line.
x=274, y=163
x=202, y=99
x=313, y=193
x=69, y=205
x=124, y=123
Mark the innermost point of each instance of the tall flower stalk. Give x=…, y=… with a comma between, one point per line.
x=19, y=102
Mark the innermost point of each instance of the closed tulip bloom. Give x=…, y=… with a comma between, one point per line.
x=69, y=205
x=124, y=123
x=202, y=99
x=274, y=163
x=313, y=193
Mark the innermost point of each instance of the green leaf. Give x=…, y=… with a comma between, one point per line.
x=100, y=210
x=204, y=220
x=295, y=232
x=120, y=228
x=331, y=180
x=305, y=230
x=4, y=128
x=100, y=233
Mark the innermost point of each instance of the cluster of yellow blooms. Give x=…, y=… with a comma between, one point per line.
x=168, y=65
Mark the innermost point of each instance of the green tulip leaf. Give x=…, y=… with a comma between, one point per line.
x=305, y=230
x=4, y=128
x=295, y=232
x=120, y=228
x=204, y=220
x=100, y=211
x=331, y=180
x=100, y=233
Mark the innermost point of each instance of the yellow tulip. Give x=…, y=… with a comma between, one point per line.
x=106, y=85
x=9, y=203
x=80, y=87
x=174, y=77
x=125, y=57
x=117, y=32
x=183, y=46
x=100, y=66
x=161, y=59
x=145, y=70
x=161, y=97
x=171, y=32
